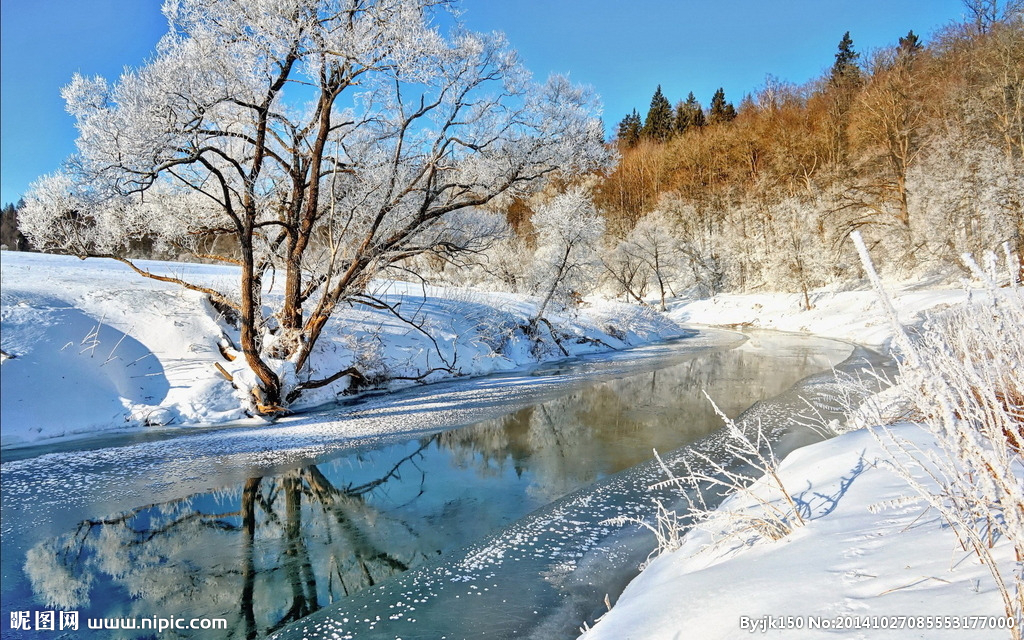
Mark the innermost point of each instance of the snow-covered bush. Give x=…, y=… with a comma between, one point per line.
x=745, y=472
x=568, y=232
x=963, y=378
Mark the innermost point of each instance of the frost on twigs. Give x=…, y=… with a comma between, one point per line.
x=963, y=376
x=758, y=505
x=568, y=231
x=314, y=145
x=763, y=509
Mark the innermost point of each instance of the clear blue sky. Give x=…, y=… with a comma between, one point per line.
x=622, y=49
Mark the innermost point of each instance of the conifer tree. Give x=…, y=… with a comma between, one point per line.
x=629, y=130
x=689, y=114
x=660, y=123
x=909, y=45
x=845, y=71
x=720, y=111
x=10, y=237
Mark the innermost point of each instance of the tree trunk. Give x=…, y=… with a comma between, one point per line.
x=268, y=400
x=554, y=285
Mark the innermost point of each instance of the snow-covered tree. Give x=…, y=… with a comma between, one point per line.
x=651, y=254
x=569, y=231
x=656, y=243
x=324, y=139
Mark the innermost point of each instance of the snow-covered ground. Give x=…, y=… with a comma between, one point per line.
x=93, y=347
x=856, y=316
x=870, y=558
x=866, y=559
x=90, y=346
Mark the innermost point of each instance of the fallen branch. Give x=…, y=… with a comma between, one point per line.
x=223, y=372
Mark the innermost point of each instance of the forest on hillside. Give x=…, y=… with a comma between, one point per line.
x=919, y=146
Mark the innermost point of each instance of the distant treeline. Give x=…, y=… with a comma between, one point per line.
x=919, y=145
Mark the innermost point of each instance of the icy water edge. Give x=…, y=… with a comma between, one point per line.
x=489, y=529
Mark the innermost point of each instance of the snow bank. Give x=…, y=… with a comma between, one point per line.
x=854, y=560
x=91, y=346
x=873, y=561
x=856, y=316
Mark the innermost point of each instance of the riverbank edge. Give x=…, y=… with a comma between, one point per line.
x=849, y=572
x=91, y=348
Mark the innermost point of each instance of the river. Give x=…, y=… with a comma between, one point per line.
x=474, y=508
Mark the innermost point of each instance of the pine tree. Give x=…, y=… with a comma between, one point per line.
x=681, y=121
x=10, y=236
x=689, y=114
x=909, y=46
x=659, y=124
x=721, y=111
x=696, y=111
x=845, y=71
x=629, y=130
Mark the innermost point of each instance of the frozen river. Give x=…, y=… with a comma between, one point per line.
x=473, y=508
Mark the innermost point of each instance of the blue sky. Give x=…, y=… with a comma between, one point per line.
x=622, y=49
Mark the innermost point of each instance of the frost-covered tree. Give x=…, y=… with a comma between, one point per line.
x=321, y=140
x=569, y=231
x=655, y=244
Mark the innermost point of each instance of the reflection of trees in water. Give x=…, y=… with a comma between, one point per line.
x=572, y=440
x=279, y=547
x=261, y=556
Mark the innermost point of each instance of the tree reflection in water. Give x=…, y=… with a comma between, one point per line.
x=601, y=429
x=280, y=547
x=261, y=556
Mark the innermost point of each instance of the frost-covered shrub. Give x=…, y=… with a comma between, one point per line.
x=568, y=234
x=963, y=379
x=745, y=470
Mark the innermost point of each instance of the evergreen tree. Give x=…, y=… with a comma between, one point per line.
x=720, y=111
x=681, y=122
x=909, y=45
x=10, y=236
x=689, y=114
x=660, y=123
x=845, y=71
x=629, y=130
x=696, y=111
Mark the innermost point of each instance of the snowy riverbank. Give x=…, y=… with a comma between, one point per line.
x=95, y=347
x=856, y=316
x=866, y=560
x=873, y=560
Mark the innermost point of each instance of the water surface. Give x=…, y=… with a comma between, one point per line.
x=265, y=526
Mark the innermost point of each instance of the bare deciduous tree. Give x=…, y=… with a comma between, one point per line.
x=326, y=139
